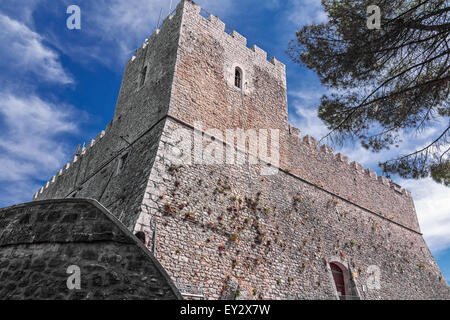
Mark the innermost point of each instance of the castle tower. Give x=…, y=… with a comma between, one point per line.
x=224, y=226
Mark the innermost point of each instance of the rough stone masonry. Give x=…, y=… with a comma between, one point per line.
x=226, y=228
x=41, y=240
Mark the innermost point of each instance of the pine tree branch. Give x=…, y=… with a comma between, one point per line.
x=424, y=148
x=363, y=103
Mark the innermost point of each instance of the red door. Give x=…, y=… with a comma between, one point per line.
x=338, y=277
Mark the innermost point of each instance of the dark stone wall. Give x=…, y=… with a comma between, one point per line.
x=120, y=190
x=40, y=240
x=135, y=128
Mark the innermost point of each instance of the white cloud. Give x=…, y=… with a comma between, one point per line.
x=308, y=122
x=432, y=203
x=112, y=29
x=127, y=23
x=21, y=10
x=306, y=12
x=22, y=51
x=304, y=102
x=122, y=19
x=30, y=146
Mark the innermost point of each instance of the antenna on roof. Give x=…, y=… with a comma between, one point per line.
x=159, y=19
x=170, y=7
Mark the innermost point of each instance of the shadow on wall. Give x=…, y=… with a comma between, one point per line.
x=75, y=249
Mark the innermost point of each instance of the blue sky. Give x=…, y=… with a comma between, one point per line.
x=58, y=88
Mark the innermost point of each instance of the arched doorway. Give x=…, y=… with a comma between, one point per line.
x=338, y=277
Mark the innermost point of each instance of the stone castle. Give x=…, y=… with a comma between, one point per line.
x=319, y=228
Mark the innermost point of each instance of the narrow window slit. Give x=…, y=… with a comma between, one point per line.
x=238, y=77
x=143, y=75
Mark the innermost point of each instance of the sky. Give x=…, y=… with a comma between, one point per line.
x=58, y=88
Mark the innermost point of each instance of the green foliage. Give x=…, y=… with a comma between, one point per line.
x=385, y=83
x=440, y=172
x=233, y=237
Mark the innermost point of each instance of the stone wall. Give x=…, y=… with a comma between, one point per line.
x=275, y=235
x=335, y=173
x=203, y=86
x=144, y=101
x=117, y=179
x=40, y=240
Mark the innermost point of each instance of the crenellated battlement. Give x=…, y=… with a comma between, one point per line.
x=319, y=165
x=140, y=51
x=215, y=23
x=327, y=153
x=218, y=24
x=68, y=167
